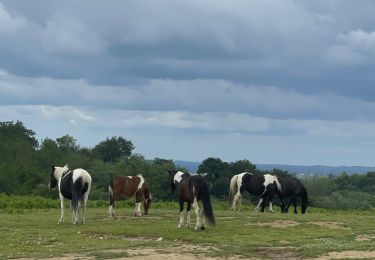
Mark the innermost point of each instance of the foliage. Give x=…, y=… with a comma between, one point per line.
x=25, y=169
x=113, y=148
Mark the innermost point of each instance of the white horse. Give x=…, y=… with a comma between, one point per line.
x=264, y=185
x=73, y=185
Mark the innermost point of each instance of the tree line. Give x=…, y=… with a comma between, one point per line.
x=25, y=167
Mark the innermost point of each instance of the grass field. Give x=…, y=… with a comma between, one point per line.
x=34, y=234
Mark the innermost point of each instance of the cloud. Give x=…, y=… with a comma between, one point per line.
x=69, y=36
x=270, y=74
x=354, y=48
x=192, y=96
x=8, y=22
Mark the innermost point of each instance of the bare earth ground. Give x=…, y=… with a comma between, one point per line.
x=188, y=251
x=174, y=253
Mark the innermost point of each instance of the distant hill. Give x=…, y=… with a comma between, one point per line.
x=298, y=169
x=191, y=166
x=316, y=169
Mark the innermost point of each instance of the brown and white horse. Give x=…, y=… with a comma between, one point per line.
x=128, y=186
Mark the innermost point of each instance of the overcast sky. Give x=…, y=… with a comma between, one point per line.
x=290, y=82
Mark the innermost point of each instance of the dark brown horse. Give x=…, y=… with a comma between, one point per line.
x=191, y=189
x=128, y=186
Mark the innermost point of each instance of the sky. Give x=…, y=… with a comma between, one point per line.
x=270, y=81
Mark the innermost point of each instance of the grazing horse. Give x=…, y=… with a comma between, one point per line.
x=129, y=186
x=191, y=189
x=289, y=190
x=74, y=185
x=264, y=186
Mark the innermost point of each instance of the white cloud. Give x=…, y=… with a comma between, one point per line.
x=354, y=48
x=10, y=23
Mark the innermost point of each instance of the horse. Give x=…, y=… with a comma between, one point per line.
x=74, y=185
x=129, y=186
x=263, y=185
x=191, y=189
x=290, y=189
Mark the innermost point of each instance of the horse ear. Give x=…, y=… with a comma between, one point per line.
x=53, y=168
x=66, y=165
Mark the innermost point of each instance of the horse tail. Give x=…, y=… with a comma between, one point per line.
x=207, y=206
x=278, y=185
x=304, y=199
x=110, y=190
x=232, y=189
x=147, y=197
x=80, y=187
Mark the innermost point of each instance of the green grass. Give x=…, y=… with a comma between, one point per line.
x=34, y=233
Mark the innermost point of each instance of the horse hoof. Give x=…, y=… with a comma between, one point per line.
x=203, y=228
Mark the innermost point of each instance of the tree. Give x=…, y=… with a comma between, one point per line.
x=10, y=131
x=213, y=166
x=242, y=166
x=67, y=143
x=17, y=152
x=113, y=148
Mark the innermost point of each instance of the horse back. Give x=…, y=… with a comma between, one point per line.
x=254, y=184
x=66, y=185
x=291, y=186
x=126, y=185
x=81, y=173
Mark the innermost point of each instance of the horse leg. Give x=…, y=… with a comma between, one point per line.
x=287, y=207
x=264, y=203
x=86, y=196
x=270, y=206
x=295, y=205
x=270, y=197
x=138, y=202
x=62, y=208
x=236, y=198
x=188, y=215
x=197, y=212
x=203, y=219
x=111, y=207
x=147, y=201
x=182, y=215
x=259, y=203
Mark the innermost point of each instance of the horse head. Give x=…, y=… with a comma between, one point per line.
x=172, y=183
x=53, y=182
x=56, y=174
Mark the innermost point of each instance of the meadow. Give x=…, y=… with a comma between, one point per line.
x=29, y=230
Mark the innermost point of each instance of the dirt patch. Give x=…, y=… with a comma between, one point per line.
x=181, y=252
x=281, y=252
x=122, y=237
x=275, y=224
x=328, y=224
x=364, y=237
x=65, y=257
x=348, y=254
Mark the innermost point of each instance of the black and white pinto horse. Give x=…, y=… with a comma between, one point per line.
x=191, y=189
x=291, y=189
x=74, y=185
x=263, y=185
